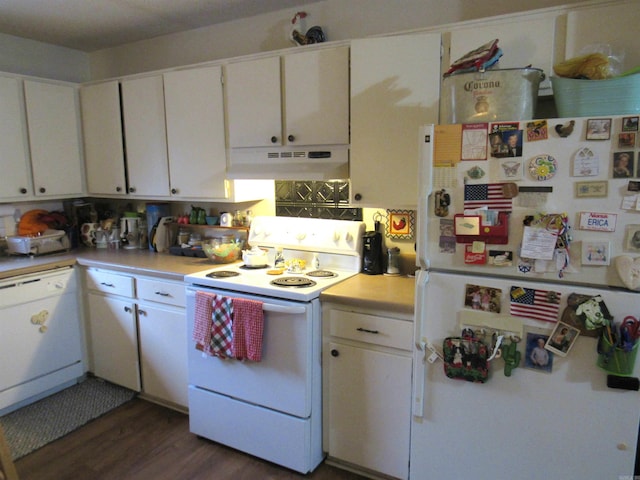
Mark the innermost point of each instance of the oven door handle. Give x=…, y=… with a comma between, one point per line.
x=269, y=307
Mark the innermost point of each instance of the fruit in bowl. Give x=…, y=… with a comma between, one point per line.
x=222, y=252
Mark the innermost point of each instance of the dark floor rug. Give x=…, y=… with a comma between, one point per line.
x=46, y=420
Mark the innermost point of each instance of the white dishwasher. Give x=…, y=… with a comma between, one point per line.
x=40, y=336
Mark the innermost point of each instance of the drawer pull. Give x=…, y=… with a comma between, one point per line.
x=111, y=285
x=163, y=294
x=360, y=329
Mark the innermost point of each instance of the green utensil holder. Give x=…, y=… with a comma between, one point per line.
x=614, y=359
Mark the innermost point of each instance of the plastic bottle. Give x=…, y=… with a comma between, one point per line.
x=315, y=262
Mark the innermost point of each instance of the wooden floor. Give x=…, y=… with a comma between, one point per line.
x=141, y=440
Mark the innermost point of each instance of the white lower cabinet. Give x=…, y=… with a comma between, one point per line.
x=114, y=338
x=367, y=390
x=113, y=334
x=162, y=329
x=137, y=331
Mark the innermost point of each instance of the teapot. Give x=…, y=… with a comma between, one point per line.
x=256, y=257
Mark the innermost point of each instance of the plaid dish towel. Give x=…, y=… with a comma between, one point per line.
x=248, y=329
x=202, y=321
x=221, y=327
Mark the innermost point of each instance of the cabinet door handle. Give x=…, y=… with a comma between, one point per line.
x=110, y=285
x=360, y=329
x=291, y=138
x=335, y=353
x=142, y=312
x=23, y=190
x=127, y=309
x=274, y=139
x=42, y=190
x=162, y=294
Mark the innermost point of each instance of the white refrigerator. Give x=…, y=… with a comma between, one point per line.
x=512, y=249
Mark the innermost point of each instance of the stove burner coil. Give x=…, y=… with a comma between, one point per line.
x=295, y=282
x=252, y=267
x=321, y=274
x=222, y=274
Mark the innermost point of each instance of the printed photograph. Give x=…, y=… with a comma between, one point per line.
x=562, y=339
x=630, y=124
x=486, y=299
x=537, y=357
x=599, y=129
x=626, y=140
x=623, y=165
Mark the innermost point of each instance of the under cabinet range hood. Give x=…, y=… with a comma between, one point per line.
x=325, y=162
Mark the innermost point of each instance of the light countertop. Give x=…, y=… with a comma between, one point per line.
x=374, y=291
x=371, y=291
x=137, y=261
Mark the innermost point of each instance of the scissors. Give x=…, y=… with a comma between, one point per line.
x=630, y=332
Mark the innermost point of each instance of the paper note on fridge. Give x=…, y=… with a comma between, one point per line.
x=538, y=243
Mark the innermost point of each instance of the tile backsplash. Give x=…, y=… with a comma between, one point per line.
x=315, y=199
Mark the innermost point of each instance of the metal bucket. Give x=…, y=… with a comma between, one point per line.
x=490, y=96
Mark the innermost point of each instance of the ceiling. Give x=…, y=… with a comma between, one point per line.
x=91, y=25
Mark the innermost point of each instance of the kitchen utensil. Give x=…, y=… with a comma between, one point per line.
x=256, y=257
x=372, y=253
x=88, y=233
x=130, y=231
x=102, y=238
x=222, y=252
x=226, y=219
x=161, y=240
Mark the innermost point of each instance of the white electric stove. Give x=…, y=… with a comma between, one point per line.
x=337, y=244
x=273, y=408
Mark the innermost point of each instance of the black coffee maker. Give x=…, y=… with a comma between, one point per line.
x=372, y=261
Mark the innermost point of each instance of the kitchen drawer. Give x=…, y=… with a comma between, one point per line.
x=384, y=331
x=171, y=293
x=112, y=283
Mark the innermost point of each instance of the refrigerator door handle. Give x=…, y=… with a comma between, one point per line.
x=420, y=350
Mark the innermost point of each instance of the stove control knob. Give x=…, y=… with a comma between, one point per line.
x=348, y=237
x=336, y=236
x=301, y=236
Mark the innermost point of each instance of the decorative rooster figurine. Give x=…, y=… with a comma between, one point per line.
x=313, y=35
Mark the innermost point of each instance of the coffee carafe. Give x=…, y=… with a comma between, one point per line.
x=130, y=232
x=372, y=260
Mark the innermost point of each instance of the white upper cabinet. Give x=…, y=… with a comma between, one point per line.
x=145, y=136
x=524, y=42
x=614, y=24
x=195, y=133
x=54, y=138
x=308, y=104
x=395, y=88
x=15, y=181
x=254, y=112
x=316, y=85
x=103, y=147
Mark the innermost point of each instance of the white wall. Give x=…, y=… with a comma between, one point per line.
x=28, y=57
x=340, y=20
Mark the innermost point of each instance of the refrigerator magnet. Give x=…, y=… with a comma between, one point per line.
x=542, y=167
x=595, y=253
x=562, y=339
x=598, y=222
